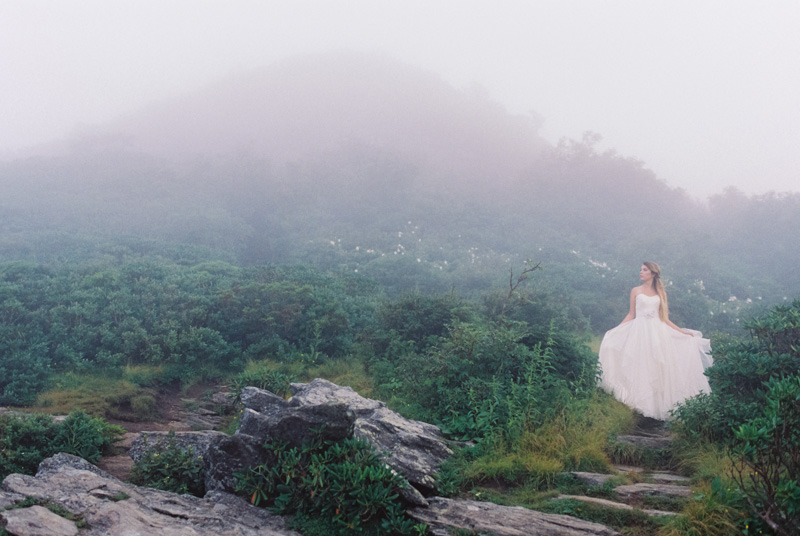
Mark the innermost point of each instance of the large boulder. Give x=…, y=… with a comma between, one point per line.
x=414, y=449
x=106, y=505
x=296, y=424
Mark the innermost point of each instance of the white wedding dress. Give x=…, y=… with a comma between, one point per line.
x=651, y=367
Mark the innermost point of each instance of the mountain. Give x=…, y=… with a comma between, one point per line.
x=309, y=107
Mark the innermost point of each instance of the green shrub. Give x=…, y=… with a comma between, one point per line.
x=263, y=377
x=85, y=436
x=740, y=373
x=769, y=450
x=331, y=488
x=171, y=468
x=27, y=440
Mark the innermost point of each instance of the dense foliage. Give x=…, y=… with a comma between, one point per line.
x=753, y=413
x=27, y=440
x=769, y=446
x=331, y=488
x=194, y=321
x=742, y=371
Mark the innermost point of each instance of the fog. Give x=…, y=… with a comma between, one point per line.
x=704, y=94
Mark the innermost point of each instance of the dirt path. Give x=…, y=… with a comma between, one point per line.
x=178, y=412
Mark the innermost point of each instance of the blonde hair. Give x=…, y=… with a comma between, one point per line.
x=663, y=307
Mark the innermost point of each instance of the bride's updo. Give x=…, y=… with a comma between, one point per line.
x=663, y=308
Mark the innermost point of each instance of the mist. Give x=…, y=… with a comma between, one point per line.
x=704, y=94
x=362, y=164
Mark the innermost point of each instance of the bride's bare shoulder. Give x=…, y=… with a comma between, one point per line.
x=635, y=291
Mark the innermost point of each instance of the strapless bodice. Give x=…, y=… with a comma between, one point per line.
x=647, y=306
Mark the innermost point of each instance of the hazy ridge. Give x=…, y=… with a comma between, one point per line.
x=362, y=164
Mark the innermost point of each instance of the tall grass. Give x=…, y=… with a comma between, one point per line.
x=576, y=439
x=99, y=396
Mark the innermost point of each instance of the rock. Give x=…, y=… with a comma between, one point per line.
x=109, y=506
x=414, y=449
x=659, y=490
x=321, y=391
x=8, y=499
x=296, y=425
x=229, y=455
x=222, y=399
x=62, y=459
x=149, y=441
x=666, y=478
x=605, y=503
x=37, y=521
x=491, y=519
x=261, y=400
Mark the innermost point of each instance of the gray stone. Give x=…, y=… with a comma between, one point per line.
x=494, y=520
x=666, y=478
x=605, y=503
x=414, y=449
x=229, y=455
x=109, y=506
x=261, y=400
x=222, y=399
x=296, y=425
x=321, y=391
x=148, y=442
x=658, y=490
x=37, y=521
x=8, y=499
x=62, y=459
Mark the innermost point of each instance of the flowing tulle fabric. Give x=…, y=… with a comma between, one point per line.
x=651, y=367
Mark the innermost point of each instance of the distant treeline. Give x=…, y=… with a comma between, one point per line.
x=590, y=217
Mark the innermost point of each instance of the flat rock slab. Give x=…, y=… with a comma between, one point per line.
x=615, y=505
x=651, y=442
x=37, y=521
x=658, y=476
x=491, y=519
x=657, y=490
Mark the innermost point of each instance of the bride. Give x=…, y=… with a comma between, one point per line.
x=649, y=363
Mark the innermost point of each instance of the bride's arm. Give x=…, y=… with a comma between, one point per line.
x=673, y=326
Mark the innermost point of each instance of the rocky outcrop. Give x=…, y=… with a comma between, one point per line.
x=442, y=515
x=103, y=505
x=414, y=449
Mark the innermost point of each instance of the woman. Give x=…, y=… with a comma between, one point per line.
x=649, y=363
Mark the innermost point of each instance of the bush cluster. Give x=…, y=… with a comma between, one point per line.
x=27, y=440
x=331, y=488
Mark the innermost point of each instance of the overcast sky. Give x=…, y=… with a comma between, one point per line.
x=704, y=92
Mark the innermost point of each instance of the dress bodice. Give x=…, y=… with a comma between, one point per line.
x=647, y=306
